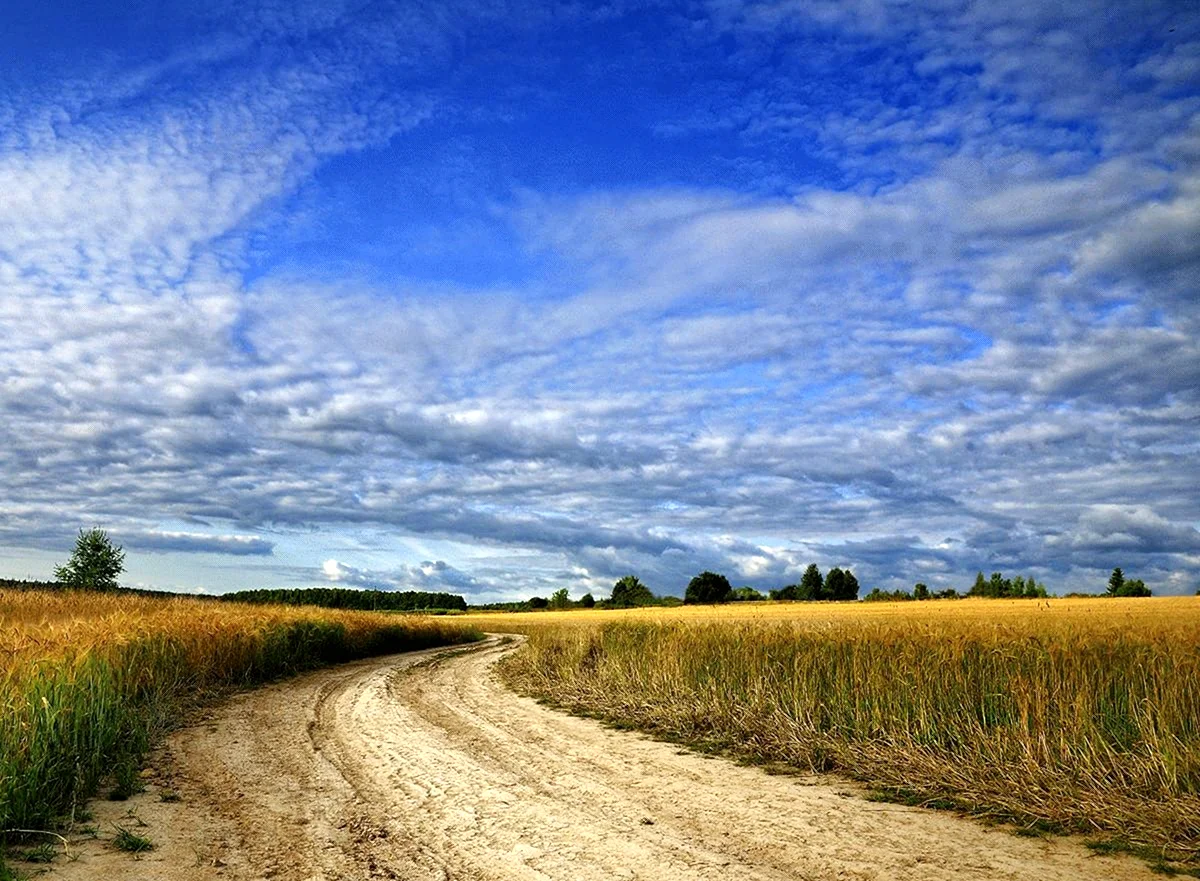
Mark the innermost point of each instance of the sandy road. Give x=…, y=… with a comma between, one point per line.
x=424, y=766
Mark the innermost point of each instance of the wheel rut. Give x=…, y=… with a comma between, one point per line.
x=423, y=766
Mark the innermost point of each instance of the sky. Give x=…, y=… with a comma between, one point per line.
x=501, y=298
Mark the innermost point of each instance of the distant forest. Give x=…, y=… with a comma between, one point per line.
x=350, y=598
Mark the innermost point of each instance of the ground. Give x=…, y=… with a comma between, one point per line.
x=423, y=766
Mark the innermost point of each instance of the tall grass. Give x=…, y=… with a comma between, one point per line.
x=1085, y=722
x=87, y=680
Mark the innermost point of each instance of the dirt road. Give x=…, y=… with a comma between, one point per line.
x=424, y=767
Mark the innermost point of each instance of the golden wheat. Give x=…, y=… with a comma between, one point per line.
x=1079, y=715
x=86, y=679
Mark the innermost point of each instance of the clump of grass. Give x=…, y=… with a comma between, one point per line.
x=87, y=680
x=42, y=853
x=131, y=842
x=1054, y=722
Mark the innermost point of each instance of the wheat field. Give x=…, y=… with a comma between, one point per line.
x=87, y=680
x=1078, y=715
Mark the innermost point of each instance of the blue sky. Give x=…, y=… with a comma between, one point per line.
x=505, y=298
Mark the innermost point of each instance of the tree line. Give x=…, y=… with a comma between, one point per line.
x=96, y=563
x=353, y=598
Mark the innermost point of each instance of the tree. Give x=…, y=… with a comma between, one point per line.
x=980, y=587
x=538, y=602
x=835, y=583
x=587, y=601
x=920, y=591
x=707, y=587
x=811, y=584
x=94, y=564
x=560, y=599
x=848, y=589
x=746, y=594
x=629, y=592
x=1116, y=582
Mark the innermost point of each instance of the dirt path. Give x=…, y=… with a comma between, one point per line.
x=423, y=767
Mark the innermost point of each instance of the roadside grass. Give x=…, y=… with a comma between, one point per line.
x=1054, y=717
x=89, y=681
x=131, y=842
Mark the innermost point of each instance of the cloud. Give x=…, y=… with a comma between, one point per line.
x=931, y=315
x=435, y=576
x=191, y=542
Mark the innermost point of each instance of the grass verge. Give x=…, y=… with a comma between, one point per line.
x=87, y=682
x=1080, y=727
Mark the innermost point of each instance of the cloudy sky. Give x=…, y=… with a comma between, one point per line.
x=501, y=298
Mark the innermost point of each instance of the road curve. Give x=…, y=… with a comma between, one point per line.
x=423, y=766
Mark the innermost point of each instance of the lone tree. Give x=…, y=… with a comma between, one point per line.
x=94, y=564
x=629, y=592
x=708, y=587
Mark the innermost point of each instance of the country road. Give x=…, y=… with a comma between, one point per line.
x=424, y=766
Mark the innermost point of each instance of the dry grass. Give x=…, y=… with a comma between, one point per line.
x=86, y=680
x=1079, y=715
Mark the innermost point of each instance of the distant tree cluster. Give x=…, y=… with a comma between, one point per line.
x=999, y=587
x=708, y=587
x=629, y=592
x=838, y=585
x=920, y=591
x=1119, y=586
x=350, y=598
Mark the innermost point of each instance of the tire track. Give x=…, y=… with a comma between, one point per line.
x=423, y=766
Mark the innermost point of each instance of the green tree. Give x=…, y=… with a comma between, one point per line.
x=538, y=602
x=812, y=585
x=587, y=601
x=560, y=599
x=980, y=587
x=920, y=591
x=629, y=592
x=849, y=586
x=1116, y=582
x=835, y=584
x=94, y=564
x=708, y=587
x=746, y=594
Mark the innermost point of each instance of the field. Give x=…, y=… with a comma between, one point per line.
x=1060, y=715
x=87, y=680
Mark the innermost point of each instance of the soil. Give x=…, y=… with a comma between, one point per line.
x=424, y=766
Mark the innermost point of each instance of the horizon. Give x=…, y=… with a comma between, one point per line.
x=494, y=301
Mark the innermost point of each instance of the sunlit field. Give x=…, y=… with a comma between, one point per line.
x=1061, y=715
x=87, y=679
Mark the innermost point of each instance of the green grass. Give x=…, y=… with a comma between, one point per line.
x=70, y=722
x=131, y=842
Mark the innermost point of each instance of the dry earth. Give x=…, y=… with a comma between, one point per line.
x=424, y=766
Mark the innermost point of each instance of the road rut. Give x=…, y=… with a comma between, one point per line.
x=423, y=766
